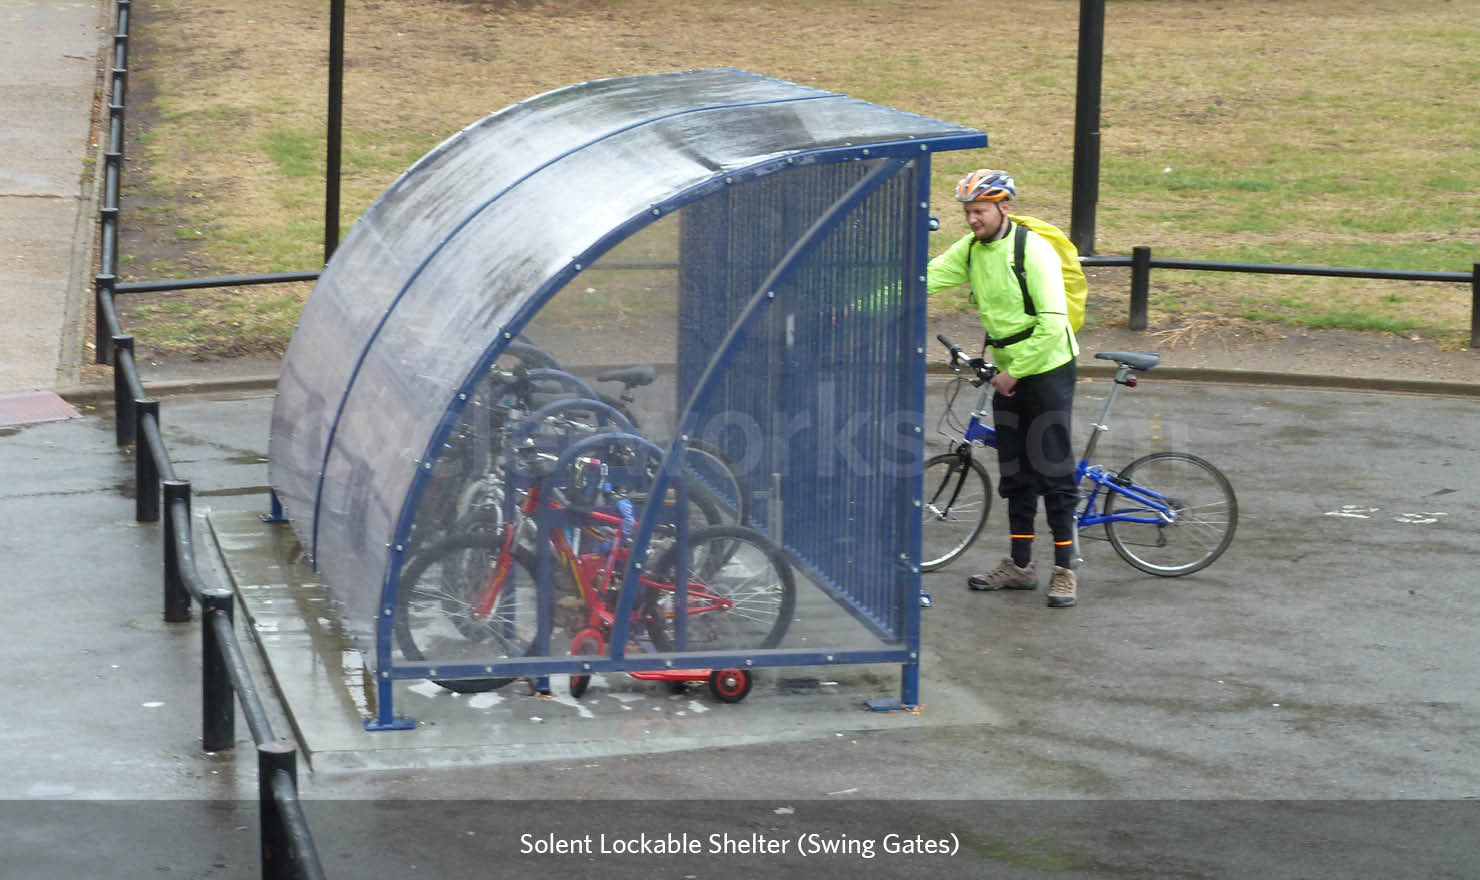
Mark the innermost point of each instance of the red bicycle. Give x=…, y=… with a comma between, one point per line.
x=475, y=594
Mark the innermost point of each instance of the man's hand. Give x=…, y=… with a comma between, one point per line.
x=1004, y=382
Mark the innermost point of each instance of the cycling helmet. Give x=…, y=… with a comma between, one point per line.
x=985, y=185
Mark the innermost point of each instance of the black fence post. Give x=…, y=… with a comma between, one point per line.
x=102, y=299
x=1086, y=185
x=334, y=127
x=272, y=757
x=1140, y=285
x=1475, y=306
x=146, y=469
x=218, y=698
x=124, y=417
x=176, y=594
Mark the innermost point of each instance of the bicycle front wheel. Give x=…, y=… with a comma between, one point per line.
x=741, y=595
x=1201, y=517
x=437, y=615
x=958, y=497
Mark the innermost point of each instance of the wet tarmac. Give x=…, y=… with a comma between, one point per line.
x=1308, y=706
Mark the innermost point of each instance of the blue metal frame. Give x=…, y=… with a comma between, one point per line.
x=978, y=431
x=451, y=234
x=898, y=156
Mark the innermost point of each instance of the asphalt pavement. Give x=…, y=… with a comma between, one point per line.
x=1306, y=707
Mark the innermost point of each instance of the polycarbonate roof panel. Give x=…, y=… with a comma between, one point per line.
x=436, y=269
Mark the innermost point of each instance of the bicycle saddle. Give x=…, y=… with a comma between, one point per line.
x=630, y=376
x=1136, y=360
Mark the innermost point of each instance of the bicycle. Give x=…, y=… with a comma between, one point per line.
x=480, y=585
x=1167, y=513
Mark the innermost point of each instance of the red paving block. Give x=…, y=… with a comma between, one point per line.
x=29, y=407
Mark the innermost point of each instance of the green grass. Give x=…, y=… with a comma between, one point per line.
x=1322, y=133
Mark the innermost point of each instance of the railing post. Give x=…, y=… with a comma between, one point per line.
x=124, y=417
x=218, y=698
x=103, y=285
x=1140, y=285
x=176, y=594
x=146, y=469
x=1475, y=306
x=272, y=757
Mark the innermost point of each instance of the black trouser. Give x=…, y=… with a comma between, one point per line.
x=1034, y=454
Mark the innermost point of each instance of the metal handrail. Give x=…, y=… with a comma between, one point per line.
x=226, y=678
x=1141, y=263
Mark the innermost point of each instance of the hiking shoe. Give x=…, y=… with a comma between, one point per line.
x=1061, y=588
x=1006, y=576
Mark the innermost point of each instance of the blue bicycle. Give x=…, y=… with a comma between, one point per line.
x=1167, y=513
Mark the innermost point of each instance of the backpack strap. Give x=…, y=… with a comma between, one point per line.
x=1019, y=255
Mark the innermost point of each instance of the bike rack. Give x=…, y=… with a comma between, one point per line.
x=800, y=220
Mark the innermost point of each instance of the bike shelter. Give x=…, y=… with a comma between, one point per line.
x=760, y=244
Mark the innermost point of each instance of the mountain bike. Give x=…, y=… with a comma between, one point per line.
x=1166, y=513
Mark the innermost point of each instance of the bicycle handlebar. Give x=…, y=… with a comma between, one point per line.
x=983, y=369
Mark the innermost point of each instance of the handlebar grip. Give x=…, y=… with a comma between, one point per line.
x=955, y=349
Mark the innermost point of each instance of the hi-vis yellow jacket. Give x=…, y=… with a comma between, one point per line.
x=1049, y=341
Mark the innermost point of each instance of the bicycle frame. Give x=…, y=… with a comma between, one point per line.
x=592, y=572
x=1152, y=507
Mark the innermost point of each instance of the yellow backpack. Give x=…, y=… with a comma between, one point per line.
x=1076, y=286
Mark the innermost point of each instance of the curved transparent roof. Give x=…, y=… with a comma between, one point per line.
x=461, y=249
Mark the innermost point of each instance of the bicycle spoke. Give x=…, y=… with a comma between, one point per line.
x=1204, y=510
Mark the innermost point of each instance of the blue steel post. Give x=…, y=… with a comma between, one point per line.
x=909, y=686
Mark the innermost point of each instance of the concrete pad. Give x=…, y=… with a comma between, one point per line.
x=31, y=407
x=51, y=51
x=321, y=678
x=36, y=234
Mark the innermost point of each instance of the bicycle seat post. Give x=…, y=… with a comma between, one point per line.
x=1102, y=424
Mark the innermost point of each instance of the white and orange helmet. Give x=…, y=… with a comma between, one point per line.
x=985, y=185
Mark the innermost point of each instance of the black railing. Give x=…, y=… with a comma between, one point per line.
x=1141, y=263
x=287, y=845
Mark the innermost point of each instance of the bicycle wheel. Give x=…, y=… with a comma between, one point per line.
x=958, y=497
x=708, y=465
x=587, y=641
x=436, y=617
x=742, y=592
x=1205, y=514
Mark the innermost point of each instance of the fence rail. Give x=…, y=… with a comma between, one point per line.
x=1141, y=263
x=287, y=847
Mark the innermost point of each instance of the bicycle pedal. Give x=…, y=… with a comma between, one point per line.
x=925, y=600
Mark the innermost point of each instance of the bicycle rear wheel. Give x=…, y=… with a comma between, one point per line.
x=438, y=596
x=958, y=497
x=1203, y=507
x=711, y=468
x=726, y=564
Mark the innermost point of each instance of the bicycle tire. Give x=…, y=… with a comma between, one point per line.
x=957, y=501
x=707, y=464
x=1206, y=508
x=434, y=620
x=734, y=562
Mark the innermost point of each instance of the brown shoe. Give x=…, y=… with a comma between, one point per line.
x=1006, y=576
x=1062, y=585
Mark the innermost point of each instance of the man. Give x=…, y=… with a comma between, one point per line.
x=1034, y=349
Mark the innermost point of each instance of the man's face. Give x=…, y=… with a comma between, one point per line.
x=985, y=218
